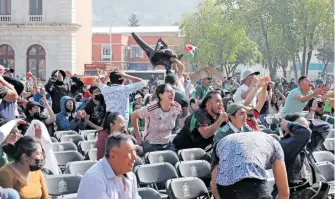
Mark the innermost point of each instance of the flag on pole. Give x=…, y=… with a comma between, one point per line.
x=192, y=49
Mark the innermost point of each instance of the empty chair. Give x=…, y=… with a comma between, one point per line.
x=192, y=154
x=328, y=144
x=138, y=161
x=91, y=154
x=189, y=187
x=79, y=167
x=161, y=156
x=194, y=168
x=61, y=185
x=59, y=134
x=64, y=157
x=72, y=138
x=91, y=136
x=85, y=132
x=324, y=156
x=64, y=146
x=85, y=145
x=148, y=193
x=53, y=140
x=155, y=173
x=328, y=170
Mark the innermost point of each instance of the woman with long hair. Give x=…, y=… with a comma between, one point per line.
x=114, y=123
x=275, y=104
x=24, y=174
x=160, y=117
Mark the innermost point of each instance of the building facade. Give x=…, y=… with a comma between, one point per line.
x=41, y=36
x=116, y=48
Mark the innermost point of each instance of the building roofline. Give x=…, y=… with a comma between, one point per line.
x=139, y=29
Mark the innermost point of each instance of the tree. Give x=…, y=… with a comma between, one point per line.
x=221, y=44
x=326, y=54
x=133, y=21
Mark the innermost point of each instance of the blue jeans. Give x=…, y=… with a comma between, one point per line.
x=11, y=193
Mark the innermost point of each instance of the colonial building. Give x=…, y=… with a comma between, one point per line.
x=43, y=35
x=114, y=47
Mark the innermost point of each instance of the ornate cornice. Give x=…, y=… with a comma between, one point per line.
x=45, y=27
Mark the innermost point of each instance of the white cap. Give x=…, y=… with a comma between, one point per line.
x=248, y=73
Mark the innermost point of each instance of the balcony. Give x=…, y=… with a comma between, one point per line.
x=35, y=18
x=5, y=18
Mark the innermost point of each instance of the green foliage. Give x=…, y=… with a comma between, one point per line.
x=221, y=42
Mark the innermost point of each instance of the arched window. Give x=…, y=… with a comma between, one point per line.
x=7, y=56
x=36, y=61
x=5, y=7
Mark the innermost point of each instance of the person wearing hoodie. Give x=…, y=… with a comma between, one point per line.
x=57, y=89
x=68, y=118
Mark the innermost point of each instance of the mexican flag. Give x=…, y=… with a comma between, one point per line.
x=192, y=49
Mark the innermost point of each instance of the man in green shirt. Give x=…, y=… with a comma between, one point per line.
x=237, y=115
x=316, y=111
x=201, y=91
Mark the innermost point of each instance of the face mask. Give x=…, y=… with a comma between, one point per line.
x=57, y=82
x=38, y=165
x=98, y=97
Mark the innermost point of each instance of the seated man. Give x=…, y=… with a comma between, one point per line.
x=237, y=116
x=67, y=119
x=316, y=110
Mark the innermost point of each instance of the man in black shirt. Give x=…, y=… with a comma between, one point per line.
x=95, y=109
x=200, y=126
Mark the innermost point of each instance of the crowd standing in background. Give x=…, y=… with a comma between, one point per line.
x=245, y=127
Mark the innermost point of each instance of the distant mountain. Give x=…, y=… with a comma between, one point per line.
x=149, y=12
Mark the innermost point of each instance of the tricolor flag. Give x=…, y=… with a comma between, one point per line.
x=192, y=49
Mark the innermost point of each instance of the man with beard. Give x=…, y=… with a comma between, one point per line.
x=67, y=119
x=200, y=126
x=95, y=109
x=316, y=111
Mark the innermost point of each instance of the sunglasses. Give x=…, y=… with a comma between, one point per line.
x=209, y=79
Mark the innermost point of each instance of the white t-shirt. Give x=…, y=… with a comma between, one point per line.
x=180, y=86
x=238, y=95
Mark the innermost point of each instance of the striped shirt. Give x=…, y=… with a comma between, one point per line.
x=158, y=123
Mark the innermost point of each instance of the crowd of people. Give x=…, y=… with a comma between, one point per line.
x=229, y=119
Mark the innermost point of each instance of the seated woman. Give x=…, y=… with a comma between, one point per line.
x=38, y=130
x=24, y=174
x=114, y=123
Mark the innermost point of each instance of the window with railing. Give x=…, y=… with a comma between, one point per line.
x=35, y=7
x=35, y=10
x=5, y=10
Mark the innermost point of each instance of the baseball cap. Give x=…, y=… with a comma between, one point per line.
x=233, y=107
x=248, y=73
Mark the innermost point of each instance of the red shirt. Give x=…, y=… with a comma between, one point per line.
x=252, y=123
x=101, y=142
